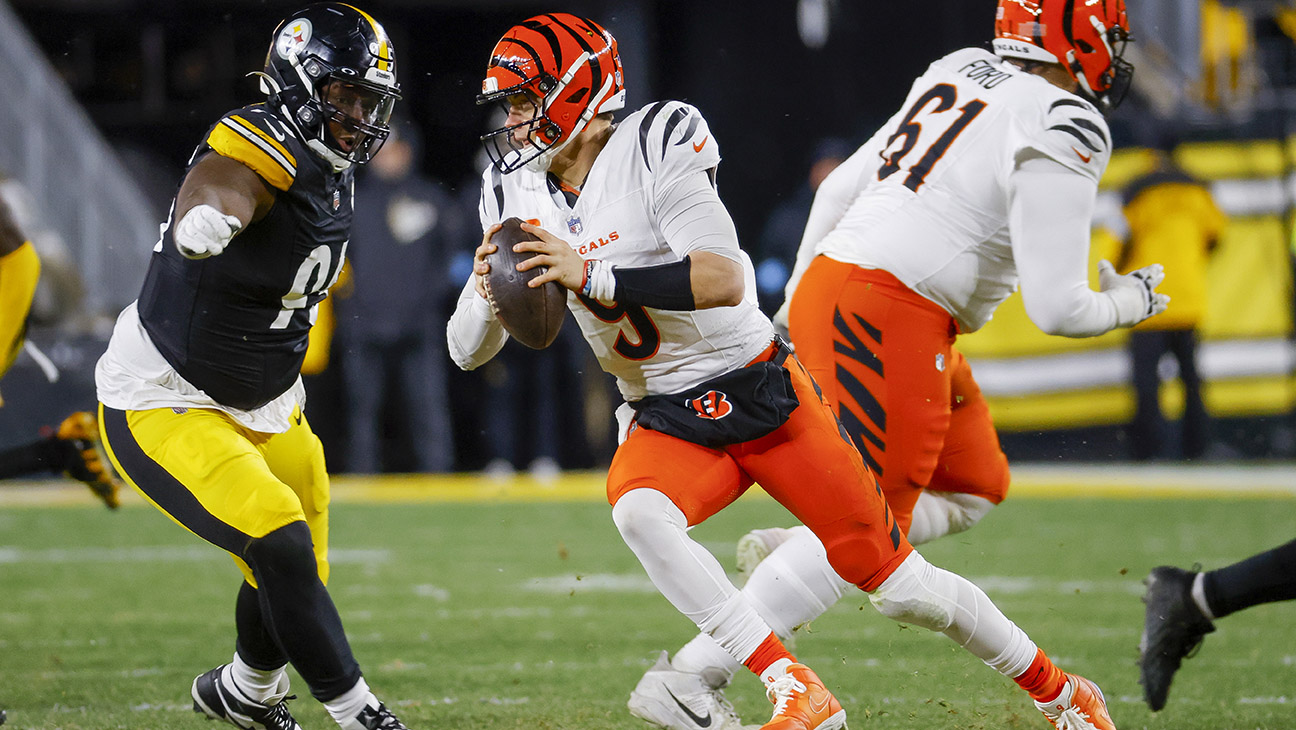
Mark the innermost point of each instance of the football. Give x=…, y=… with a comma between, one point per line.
x=531, y=316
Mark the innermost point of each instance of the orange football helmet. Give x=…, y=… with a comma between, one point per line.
x=568, y=68
x=1087, y=37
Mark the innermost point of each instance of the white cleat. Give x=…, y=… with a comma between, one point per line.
x=756, y=545
x=675, y=700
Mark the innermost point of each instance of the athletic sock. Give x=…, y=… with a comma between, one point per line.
x=1264, y=578
x=703, y=654
x=259, y=685
x=347, y=705
x=1042, y=679
x=1198, y=593
x=769, y=651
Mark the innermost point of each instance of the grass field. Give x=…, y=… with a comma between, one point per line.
x=527, y=611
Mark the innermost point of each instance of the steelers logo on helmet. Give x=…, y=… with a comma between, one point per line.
x=331, y=70
x=293, y=38
x=551, y=74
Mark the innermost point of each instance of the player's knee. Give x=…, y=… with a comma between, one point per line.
x=854, y=554
x=905, y=596
x=287, y=551
x=640, y=515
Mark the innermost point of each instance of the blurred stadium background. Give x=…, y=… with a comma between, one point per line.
x=104, y=100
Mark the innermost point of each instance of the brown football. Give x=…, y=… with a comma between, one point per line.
x=532, y=316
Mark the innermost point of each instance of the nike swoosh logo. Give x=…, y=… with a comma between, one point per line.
x=698, y=147
x=1083, y=157
x=820, y=708
x=698, y=719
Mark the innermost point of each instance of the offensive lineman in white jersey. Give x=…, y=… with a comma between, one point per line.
x=715, y=402
x=984, y=180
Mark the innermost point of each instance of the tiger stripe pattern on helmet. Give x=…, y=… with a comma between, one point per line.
x=568, y=67
x=1085, y=37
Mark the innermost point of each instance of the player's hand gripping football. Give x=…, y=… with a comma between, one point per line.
x=480, y=267
x=205, y=231
x=1134, y=293
x=565, y=265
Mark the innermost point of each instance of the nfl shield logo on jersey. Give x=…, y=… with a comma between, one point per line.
x=337, y=199
x=574, y=225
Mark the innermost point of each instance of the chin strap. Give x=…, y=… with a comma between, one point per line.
x=339, y=163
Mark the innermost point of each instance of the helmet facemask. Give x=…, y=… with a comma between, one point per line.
x=355, y=117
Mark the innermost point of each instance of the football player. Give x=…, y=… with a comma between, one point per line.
x=200, y=394
x=1183, y=605
x=983, y=181
x=73, y=448
x=630, y=222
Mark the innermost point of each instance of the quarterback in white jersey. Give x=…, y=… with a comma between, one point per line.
x=982, y=182
x=633, y=208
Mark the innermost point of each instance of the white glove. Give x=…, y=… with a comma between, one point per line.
x=205, y=231
x=1134, y=294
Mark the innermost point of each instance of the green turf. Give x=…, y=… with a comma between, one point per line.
x=536, y=616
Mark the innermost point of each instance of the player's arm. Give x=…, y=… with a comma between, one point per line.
x=218, y=198
x=19, y=271
x=474, y=335
x=1050, y=214
x=694, y=223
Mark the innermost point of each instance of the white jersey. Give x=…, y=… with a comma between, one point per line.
x=650, y=351
x=928, y=197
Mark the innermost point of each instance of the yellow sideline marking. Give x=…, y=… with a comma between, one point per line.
x=1030, y=481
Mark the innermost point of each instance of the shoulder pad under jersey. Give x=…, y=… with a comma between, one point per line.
x=1075, y=134
x=674, y=140
x=257, y=138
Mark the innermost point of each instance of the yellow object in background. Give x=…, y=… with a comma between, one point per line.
x=19, y=272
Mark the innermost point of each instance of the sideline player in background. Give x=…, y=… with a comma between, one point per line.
x=200, y=389
x=715, y=401
x=74, y=447
x=983, y=181
x=1182, y=606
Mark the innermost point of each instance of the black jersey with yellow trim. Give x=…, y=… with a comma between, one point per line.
x=236, y=325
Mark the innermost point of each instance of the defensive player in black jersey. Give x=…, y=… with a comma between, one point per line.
x=200, y=390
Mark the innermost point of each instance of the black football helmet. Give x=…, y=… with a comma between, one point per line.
x=331, y=70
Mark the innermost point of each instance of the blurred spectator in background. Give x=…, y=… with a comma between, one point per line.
x=781, y=235
x=74, y=448
x=389, y=329
x=1172, y=220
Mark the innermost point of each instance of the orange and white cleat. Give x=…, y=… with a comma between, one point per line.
x=1080, y=706
x=84, y=457
x=800, y=700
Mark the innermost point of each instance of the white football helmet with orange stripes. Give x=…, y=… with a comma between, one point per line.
x=331, y=70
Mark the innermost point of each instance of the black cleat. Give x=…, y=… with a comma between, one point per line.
x=374, y=718
x=1173, y=629
x=218, y=700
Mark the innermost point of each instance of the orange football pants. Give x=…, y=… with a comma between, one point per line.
x=885, y=359
x=808, y=465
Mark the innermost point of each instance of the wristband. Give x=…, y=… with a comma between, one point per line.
x=599, y=281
